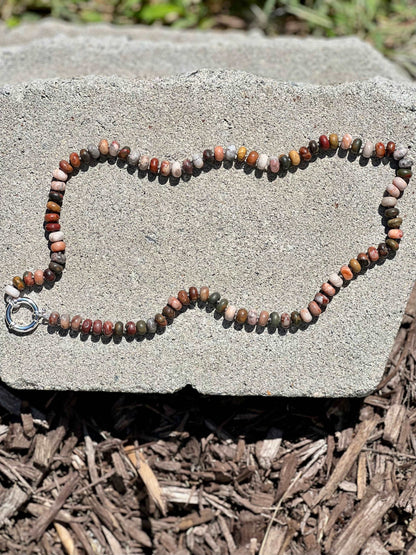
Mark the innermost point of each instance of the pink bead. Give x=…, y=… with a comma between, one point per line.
x=263, y=318
x=395, y=233
x=314, y=308
x=274, y=165
x=39, y=279
x=373, y=254
x=346, y=141
x=58, y=186
x=174, y=303
x=393, y=190
x=229, y=313
x=328, y=289
x=58, y=246
x=400, y=183
x=60, y=175
x=346, y=272
x=252, y=317
x=305, y=315
x=219, y=153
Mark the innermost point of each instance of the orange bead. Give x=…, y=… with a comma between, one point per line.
x=252, y=158
x=241, y=154
x=58, y=246
x=346, y=272
x=219, y=153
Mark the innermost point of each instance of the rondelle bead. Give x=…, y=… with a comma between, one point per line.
x=404, y=173
x=133, y=158
x=324, y=142
x=174, y=303
x=39, y=279
x=29, y=279
x=169, y=312
x=219, y=153
x=176, y=169
x=49, y=275
x=400, y=183
x=400, y=152
x=94, y=151
x=56, y=268
x=65, y=166
x=388, y=202
x=373, y=254
x=103, y=147
x=221, y=306
x=356, y=146
x=165, y=168
x=124, y=152
x=241, y=316
x=11, y=291
x=380, y=150
x=392, y=234
x=60, y=175
x=76, y=323
x=58, y=246
x=53, y=206
x=346, y=272
x=314, y=308
x=144, y=163
x=161, y=320
x=274, y=165
x=193, y=294
x=18, y=283
x=305, y=153
x=130, y=328
x=58, y=257
x=214, y=298
x=53, y=226
x=118, y=329
x=394, y=223
x=65, y=321
x=285, y=320
x=151, y=325
x=383, y=251
x=406, y=162
x=321, y=299
x=53, y=318
x=58, y=186
x=252, y=158
x=56, y=197
x=204, y=294
x=74, y=160
x=296, y=318
x=114, y=149
x=294, y=157
x=141, y=327
x=285, y=162
x=306, y=315
x=154, y=165
x=346, y=141
x=241, y=154
x=368, y=149
x=393, y=190
x=390, y=148
x=197, y=161
x=187, y=167
x=183, y=297
x=56, y=236
x=97, y=327
x=335, y=279
x=208, y=156
x=86, y=326
x=391, y=212
x=230, y=153
x=355, y=266
x=262, y=162
x=274, y=320
x=85, y=156
x=252, y=318
x=333, y=141
x=263, y=318
x=363, y=260
x=229, y=313
x=328, y=289
x=313, y=147
x=392, y=244
x=54, y=217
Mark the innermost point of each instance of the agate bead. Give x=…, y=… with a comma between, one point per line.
x=314, y=308
x=214, y=298
x=56, y=236
x=394, y=223
x=333, y=141
x=391, y=212
x=86, y=326
x=294, y=157
x=346, y=141
x=65, y=166
x=187, y=167
x=154, y=165
x=262, y=162
x=165, y=168
x=18, y=283
x=393, y=190
x=103, y=147
x=230, y=153
x=94, y=151
x=388, y=202
x=53, y=318
x=97, y=327
x=124, y=153
x=285, y=320
x=74, y=160
x=133, y=158
x=53, y=206
x=404, y=173
x=305, y=153
x=60, y=175
x=208, y=156
x=252, y=158
x=380, y=150
x=241, y=154
x=355, y=265
x=29, y=279
x=144, y=163
x=363, y=260
x=321, y=299
x=151, y=325
x=85, y=156
x=241, y=316
x=58, y=246
x=11, y=291
x=305, y=315
x=49, y=275
x=114, y=149
x=395, y=234
x=285, y=162
x=39, y=279
x=219, y=153
x=229, y=313
x=76, y=323
x=274, y=320
x=221, y=305
x=263, y=318
x=335, y=279
x=161, y=320
x=383, y=251
x=56, y=268
x=400, y=183
x=328, y=289
x=52, y=217
x=368, y=149
x=274, y=165
x=346, y=272
x=252, y=318
x=130, y=328
x=390, y=148
x=169, y=312
x=392, y=244
x=183, y=297
x=53, y=226
x=324, y=142
x=65, y=321
x=314, y=148
x=204, y=294
x=118, y=329
x=193, y=294
x=373, y=254
x=141, y=327
x=176, y=169
x=296, y=318
x=58, y=186
x=400, y=152
x=174, y=303
x=356, y=146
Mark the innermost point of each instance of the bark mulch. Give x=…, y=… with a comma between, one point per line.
x=183, y=474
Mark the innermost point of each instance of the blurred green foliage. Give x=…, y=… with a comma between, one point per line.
x=390, y=25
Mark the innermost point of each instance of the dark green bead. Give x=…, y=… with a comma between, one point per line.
x=118, y=329
x=405, y=173
x=214, y=298
x=222, y=305
x=284, y=162
x=141, y=327
x=313, y=147
x=296, y=319
x=394, y=223
x=274, y=320
x=391, y=212
x=392, y=244
x=56, y=197
x=356, y=145
x=57, y=268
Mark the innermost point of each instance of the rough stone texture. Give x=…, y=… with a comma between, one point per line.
x=263, y=244
x=308, y=60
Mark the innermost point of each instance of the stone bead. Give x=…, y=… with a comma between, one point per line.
x=285, y=162
x=118, y=329
x=356, y=146
x=49, y=275
x=94, y=151
x=76, y=323
x=400, y=152
x=263, y=318
x=183, y=297
x=165, y=168
x=29, y=279
x=404, y=173
x=176, y=169
x=204, y=294
x=355, y=266
x=328, y=289
x=86, y=326
x=18, y=283
x=241, y=316
x=380, y=150
x=144, y=163
x=346, y=141
x=321, y=299
x=334, y=141
x=151, y=325
x=335, y=279
x=383, y=251
x=285, y=320
x=262, y=162
x=65, y=321
x=114, y=148
x=58, y=257
x=11, y=291
x=390, y=148
x=305, y=153
x=56, y=236
x=392, y=245
x=141, y=327
x=133, y=158
x=274, y=165
x=221, y=306
x=305, y=315
x=53, y=318
x=363, y=260
x=214, y=298
x=54, y=217
x=130, y=328
x=252, y=318
x=161, y=320
x=314, y=308
x=230, y=153
x=393, y=190
x=187, y=167
x=174, y=303
x=74, y=160
x=294, y=157
x=391, y=212
x=400, y=183
x=241, y=154
x=154, y=165
x=53, y=206
x=252, y=158
x=394, y=223
x=392, y=234
x=197, y=161
x=56, y=197
x=388, y=202
x=313, y=147
x=97, y=327
x=103, y=147
x=208, y=156
x=58, y=246
x=296, y=318
x=229, y=313
x=56, y=268
x=169, y=312
x=85, y=156
x=60, y=175
x=53, y=226
x=405, y=163
x=368, y=149
x=65, y=166
x=346, y=272
x=38, y=275
x=58, y=186
x=373, y=254
x=193, y=294
x=274, y=320
x=324, y=142
x=219, y=153
x=124, y=152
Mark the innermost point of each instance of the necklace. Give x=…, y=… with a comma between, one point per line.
x=175, y=170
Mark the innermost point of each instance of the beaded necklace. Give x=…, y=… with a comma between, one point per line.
x=204, y=296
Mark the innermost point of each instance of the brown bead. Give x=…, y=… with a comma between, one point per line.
x=86, y=326
x=53, y=206
x=204, y=294
x=74, y=160
x=314, y=308
x=363, y=260
x=52, y=227
x=219, y=153
x=383, y=250
x=161, y=320
x=76, y=322
x=130, y=328
x=355, y=266
x=154, y=165
x=65, y=166
x=187, y=167
x=18, y=283
x=55, y=267
x=380, y=150
x=103, y=147
x=97, y=327
x=54, y=217
x=305, y=153
x=193, y=294
x=53, y=318
x=169, y=312
x=49, y=275
x=29, y=279
x=108, y=328
x=263, y=318
x=333, y=140
x=241, y=316
x=252, y=158
x=124, y=152
x=390, y=148
x=373, y=254
x=183, y=297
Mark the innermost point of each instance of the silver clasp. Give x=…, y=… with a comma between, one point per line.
x=37, y=314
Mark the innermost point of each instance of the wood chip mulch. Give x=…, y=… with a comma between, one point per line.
x=183, y=474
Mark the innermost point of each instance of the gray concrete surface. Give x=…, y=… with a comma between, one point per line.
x=267, y=244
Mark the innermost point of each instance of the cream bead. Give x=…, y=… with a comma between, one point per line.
x=262, y=162
x=60, y=175
x=393, y=190
x=335, y=279
x=56, y=236
x=305, y=315
x=11, y=291
x=400, y=183
x=58, y=186
x=388, y=202
x=229, y=313
x=176, y=169
x=368, y=149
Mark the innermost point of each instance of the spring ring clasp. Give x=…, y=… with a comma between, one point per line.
x=37, y=314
